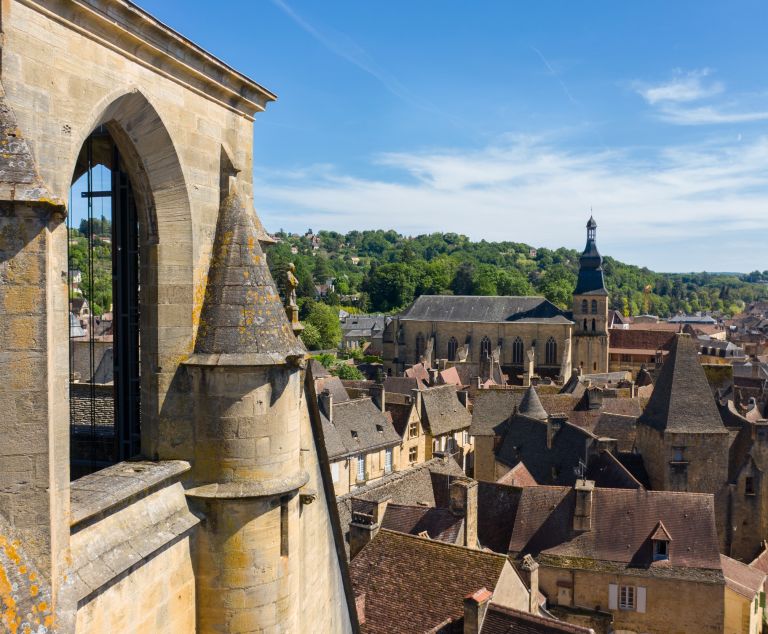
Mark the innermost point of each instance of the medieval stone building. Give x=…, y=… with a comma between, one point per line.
x=513, y=334
x=204, y=503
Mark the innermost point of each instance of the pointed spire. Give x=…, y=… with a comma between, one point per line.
x=590, y=280
x=530, y=405
x=242, y=321
x=682, y=400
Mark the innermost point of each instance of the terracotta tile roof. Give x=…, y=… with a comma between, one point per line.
x=761, y=561
x=450, y=376
x=399, y=572
x=741, y=578
x=682, y=401
x=622, y=524
x=402, y=384
x=442, y=410
x=518, y=476
x=501, y=620
x=419, y=372
x=636, y=339
x=439, y=523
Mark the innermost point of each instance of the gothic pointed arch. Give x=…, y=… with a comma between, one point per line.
x=550, y=351
x=453, y=346
x=517, y=351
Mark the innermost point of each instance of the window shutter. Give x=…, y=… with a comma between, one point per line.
x=640, y=599
x=335, y=471
x=762, y=599
x=613, y=596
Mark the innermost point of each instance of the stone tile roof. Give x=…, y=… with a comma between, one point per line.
x=439, y=523
x=622, y=523
x=401, y=414
x=761, y=561
x=608, y=472
x=335, y=386
x=526, y=441
x=502, y=620
x=647, y=340
x=633, y=463
x=442, y=410
x=413, y=584
x=621, y=428
x=530, y=405
x=333, y=444
x=319, y=371
x=363, y=427
x=496, y=510
x=741, y=578
x=242, y=321
x=426, y=484
x=491, y=409
x=682, y=401
x=484, y=309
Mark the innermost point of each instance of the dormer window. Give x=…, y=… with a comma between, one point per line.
x=660, y=550
x=380, y=429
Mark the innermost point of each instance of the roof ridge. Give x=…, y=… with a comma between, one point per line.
x=446, y=545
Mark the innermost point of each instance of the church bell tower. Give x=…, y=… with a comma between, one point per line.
x=590, y=309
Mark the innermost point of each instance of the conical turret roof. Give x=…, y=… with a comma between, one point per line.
x=682, y=401
x=243, y=321
x=530, y=405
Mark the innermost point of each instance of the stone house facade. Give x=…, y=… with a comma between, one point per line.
x=224, y=427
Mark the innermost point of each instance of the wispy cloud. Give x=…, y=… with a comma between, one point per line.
x=684, y=87
x=674, y=100
x=678, y=209
x=556, y=75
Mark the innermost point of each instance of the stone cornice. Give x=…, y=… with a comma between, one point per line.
x=127, y=29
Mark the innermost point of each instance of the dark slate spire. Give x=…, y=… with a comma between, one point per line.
x=530, y=405
x=243, y=321
x=682, y=401
x=590, y=281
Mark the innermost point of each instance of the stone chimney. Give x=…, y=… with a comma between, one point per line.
x=594, y=398
x=365, y=524
x=463, y=397
x=529, y=571
x=416, y=399
x=433, y=373
x=582, y=513
x=326, y=403
x=475, y=607
x=378, y=396
x=463, y=503
x=554, y=424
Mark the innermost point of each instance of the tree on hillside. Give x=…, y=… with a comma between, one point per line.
x=393, y=287
x=326, y=320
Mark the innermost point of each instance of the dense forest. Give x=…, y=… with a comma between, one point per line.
x=96, y=284
x=383, y=271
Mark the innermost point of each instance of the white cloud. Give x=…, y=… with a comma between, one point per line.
x=673, y=210
x=705, y=115
x=684, y=87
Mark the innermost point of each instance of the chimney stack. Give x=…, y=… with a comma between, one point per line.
x=365, y=524
x=475, y=607
x=463, y=503
x=378, y=396
x=433, y=373
x=582, y=514
x=326, y=403
x=529, y=571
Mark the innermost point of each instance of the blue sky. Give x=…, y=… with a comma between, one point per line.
x=509, y=120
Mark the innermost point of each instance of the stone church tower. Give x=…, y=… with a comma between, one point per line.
x=590, y=309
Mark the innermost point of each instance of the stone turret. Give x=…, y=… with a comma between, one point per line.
x=247, y=467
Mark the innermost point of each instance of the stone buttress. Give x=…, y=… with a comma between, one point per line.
x=247, y=472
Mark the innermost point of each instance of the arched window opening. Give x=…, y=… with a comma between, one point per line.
x=585, y=324
x=453, y=346
x=594, y=307
x=485, y=348
x=583, y=305
x=420, y=346
x=593, y=325
x=517, y=351
x=103, y=280
x=551, y=351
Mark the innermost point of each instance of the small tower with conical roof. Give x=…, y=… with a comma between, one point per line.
x=247, y=467
x=590, y=309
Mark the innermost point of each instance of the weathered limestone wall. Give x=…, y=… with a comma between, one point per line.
x=158, y=596
x=673, y=606
x=485, y=460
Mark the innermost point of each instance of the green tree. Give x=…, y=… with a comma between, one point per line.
x=326, y=320
x=347, y=372
x=311, y=337
x=393, y=286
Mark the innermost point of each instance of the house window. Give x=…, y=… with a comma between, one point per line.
x=360, y=468
x=485, y=348
x=660, y=549
x=749, y=485
x=551, y=351
x=583, y=305
x=585, y=324
x=413, y=429
x=678, y=454
x=453, y=346
x=517, y=351
x=465, y=438
x=388, y=460
x=335, y=471
x=413, y=454
x=627, y=598
x=593, y=325
x=594, y=307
